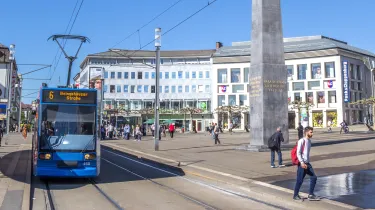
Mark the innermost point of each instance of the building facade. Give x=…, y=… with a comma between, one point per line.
x=9, y=81
x=328, y=74
x=129, y=83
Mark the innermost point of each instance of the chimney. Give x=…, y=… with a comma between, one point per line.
x=218, y=45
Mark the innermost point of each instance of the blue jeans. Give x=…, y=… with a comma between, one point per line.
x=301, y=173
x=280, y=156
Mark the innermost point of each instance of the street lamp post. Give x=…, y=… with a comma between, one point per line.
x=157, y=45
x=20, y=106
x=11, y=59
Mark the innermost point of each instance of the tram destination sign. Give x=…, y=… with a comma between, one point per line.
x=69, y=96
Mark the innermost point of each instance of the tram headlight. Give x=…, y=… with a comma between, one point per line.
x=45, y=156
x=90, y=156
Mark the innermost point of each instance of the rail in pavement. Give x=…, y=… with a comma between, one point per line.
x=15, y=172
x=197, y=155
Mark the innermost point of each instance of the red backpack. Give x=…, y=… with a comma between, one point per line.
x=293, y=153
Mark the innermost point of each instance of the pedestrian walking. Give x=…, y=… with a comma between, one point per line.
x=329, y=125
x=171, y=130
x=24, y=132
x=344, y=127
x=126, y=132
x=153, y=130
x=138, y=133
x=216, y=134
x=102, y=132
x=230, y=127
x=304, y=166
x=300, y=131
x=274, y=143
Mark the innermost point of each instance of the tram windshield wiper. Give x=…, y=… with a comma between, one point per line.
x=88, y=144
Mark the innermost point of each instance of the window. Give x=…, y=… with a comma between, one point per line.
x=119, y=75
x=353, y=86
x=186, y=75
x=316, y=72
x=152, y=75
x=207, y=89
x=145, y=88
x=331, y=96
x=222, y=76
x=221, y=100
x=321, y=97
x=111, y=88
x=352, y=71
x=132, y=75
x=238, y=89
x=193, y=88
x=297, y=97
x=166, y=75
x=243, y=98
x=106, y=75
x=139, y=88
x=193, y=75
x=113, y=75
x=160, y=89
x=139, y=75
x=235, y=75
x=246, y=74
x=360, y=96
x=132, y=89
x=173, y=89
x=310, y=97
x=126, y=88
x=200, y=88
x=314, y=85
x=330, y=69
x=302, y=71
x=207, y=75
x=180, y=88
x=298, y=85
x=105, y=88
x=173, y=75
x=147, y=75
x=200, y=74
x=160, y=75
x=186, y=88
x=119, y=88
x=166, y=88
x=232, y=100
x=359, y=76
x=290, y=69
x=126, y=75
x=152, y=88
x=179, y=74
x=359, y=86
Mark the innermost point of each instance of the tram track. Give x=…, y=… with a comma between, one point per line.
x=203, y=184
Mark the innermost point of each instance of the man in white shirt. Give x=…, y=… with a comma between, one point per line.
x=303, y=154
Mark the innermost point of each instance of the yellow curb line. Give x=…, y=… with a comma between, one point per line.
x=343, y=205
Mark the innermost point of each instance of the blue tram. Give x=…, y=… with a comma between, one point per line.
x=66, y=138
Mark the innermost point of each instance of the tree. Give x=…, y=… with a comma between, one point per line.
x=23, y=117
x=299, y=105
x=232, y=110
x=190, y=111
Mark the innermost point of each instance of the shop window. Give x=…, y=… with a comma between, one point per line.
x=235, y=75
x=232, y=100
x=330, y=69
x=316, y=71
x=314, y=85
x=297, y=97
x=331, y=96
x=290, y=69
x=298, y=86
x=302, y=71
x=222, y=76
x=221, y=100
x=321, y=97
x=310, y=97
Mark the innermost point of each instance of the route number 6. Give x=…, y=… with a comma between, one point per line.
x=51, y=95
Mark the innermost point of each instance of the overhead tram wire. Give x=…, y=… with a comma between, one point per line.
x=169, y=30
x=156, y=17
x=30, y=93
x=66, y=30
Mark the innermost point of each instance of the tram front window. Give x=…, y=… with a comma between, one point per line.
x=65, y=127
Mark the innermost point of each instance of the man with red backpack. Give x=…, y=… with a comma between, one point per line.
x=304, y=166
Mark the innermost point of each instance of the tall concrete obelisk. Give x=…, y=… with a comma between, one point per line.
x=268, y=75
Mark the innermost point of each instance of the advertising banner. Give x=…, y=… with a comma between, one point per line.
x=345, y=79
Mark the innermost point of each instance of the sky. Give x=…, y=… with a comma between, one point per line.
x=29, y=24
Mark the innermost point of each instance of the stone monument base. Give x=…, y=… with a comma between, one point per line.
x=262, y=148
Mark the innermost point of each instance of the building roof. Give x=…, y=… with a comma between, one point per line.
x=291, y=45
x=3, y=46
x=117, y=53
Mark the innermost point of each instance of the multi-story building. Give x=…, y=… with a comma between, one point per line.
x=7, y=82
x=328, y=73
x=129, y=82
